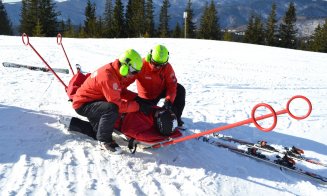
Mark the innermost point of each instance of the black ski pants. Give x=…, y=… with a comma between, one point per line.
x=102, y=116
x=83, y=127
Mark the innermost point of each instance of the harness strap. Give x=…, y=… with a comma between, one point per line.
x=122, y=116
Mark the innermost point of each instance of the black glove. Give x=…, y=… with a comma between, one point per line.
x=138, y=99
x=145, y=101
x=144, y=107
x=168, y=105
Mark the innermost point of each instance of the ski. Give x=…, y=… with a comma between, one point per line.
x=294, y=152
x=44, y=69
x=285, y=162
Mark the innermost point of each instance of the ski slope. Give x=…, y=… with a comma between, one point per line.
x=223, y=81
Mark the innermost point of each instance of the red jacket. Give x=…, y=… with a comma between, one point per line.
x=151, y=82
x=106, y=84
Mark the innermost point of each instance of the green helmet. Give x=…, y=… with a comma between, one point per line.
x=160, y=54
x=130, y=58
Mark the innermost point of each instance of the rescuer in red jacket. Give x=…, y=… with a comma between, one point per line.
x=104, y=95
x=157, y=80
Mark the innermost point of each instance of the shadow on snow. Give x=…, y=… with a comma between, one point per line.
x=27, y=132
x=33, y=134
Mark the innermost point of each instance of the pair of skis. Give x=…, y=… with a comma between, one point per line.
x=285, y=159
x=293, y=152
x=34, y=68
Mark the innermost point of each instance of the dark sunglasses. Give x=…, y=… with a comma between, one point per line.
x=158, y=65
x=133, y=71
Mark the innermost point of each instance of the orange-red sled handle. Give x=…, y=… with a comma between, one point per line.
x=27, y=43
x=248, y=121
x=59, y=42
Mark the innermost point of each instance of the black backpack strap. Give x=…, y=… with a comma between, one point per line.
x=132, y=145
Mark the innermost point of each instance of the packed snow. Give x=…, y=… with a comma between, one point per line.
x=223, y=80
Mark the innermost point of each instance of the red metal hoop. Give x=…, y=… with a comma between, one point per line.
x=59, y=42
x=36, y=52
x=59, y=39
x=27, y=38
x=255, y=120
x=299, y=117
x=247, y=121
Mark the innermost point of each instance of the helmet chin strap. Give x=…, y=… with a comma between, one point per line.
x=154, y=68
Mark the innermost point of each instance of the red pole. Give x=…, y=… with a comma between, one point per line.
x=248, y=121
x=29, y=44
x=59, y=42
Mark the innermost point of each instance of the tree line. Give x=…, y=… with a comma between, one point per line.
x=136, y=19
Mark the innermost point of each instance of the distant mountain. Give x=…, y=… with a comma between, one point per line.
x=232, y=13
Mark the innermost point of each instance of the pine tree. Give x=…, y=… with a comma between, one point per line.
x=190, y=25
x=287, y=29
x=255, y=32
x=118, y=20
x=209, y=23
x=164, y=19
x=99, y=27
x=38, y=30
x=203, y=33
x=39, y=11
x=33, y=14
x=81, y=32
x=271, y=26
x=69, y=30
x=227, y=36
x=90, y=20
x=5, y=24
x=62, y=27
x=259, y=31
x=318, y=41
x=213, y=22
x=314, y=44
x=324, y=38
x=135, y=18
x=177, y=33
x=48, y=17
x=149, y=18
x=28, y=16
x=249, y=32
x=130, y=31
x=108, y=19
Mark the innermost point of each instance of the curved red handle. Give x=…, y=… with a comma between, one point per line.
x=59, y=39
x=255, y=120
x=299, y=117
x=28, y=41
x=247, y=121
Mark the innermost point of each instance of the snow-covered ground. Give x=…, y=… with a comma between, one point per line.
x=223, y=80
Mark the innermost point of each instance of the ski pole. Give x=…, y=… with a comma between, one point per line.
x=27, y=43
x=253, y=119
x=59, y=42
